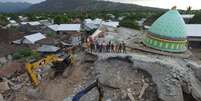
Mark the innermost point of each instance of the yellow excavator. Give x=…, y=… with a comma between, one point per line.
x=60, y=63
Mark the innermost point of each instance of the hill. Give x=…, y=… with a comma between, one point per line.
x=13, y=7
x=84, y=5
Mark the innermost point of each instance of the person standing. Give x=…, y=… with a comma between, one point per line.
x=101, y=47
x=104, y=46
x=124, y=47
x=119, y=47
x=91, y=47
x=97, y=47
x=109, y=46
x=112, y=47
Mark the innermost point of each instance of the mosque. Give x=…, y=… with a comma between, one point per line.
x=168, y=33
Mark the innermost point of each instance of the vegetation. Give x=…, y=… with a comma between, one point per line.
x=129, y=23
x=61, y=19
x=51, y=34
x=85, y=5
x=196, y=19
x=25, y=53
x=3, y=20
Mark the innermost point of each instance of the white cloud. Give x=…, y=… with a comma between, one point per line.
x=181, y=4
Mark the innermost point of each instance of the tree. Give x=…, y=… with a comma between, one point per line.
x=196, y=19
x=189, y=8
x=60, y=19
x=3, y=20
x=129, y=23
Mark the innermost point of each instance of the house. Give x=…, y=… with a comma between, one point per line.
x=48, y=49
x=66, y=27
x=22, y=18
x=30, y=27
x=73, y=30
x=45, y=22
x=187, y=17
x=90, y=24
x=12, y=23
x=31, y=23
x=111, y=23
x=30, y=39
x=194, y=35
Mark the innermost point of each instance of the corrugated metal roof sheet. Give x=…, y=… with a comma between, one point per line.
x=66, y=27
x=34, y=37
x=48, y=48
x=193, y=30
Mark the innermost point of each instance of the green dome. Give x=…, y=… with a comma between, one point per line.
x=167, y=33
x=170, y=25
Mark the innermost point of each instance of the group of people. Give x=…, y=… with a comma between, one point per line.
x=108, y=47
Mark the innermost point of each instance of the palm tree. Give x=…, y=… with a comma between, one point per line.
x=189, y=8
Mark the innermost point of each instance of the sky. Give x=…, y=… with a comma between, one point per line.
x=181, y=4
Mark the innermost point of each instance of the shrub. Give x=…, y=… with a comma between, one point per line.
x=129, y=23
x=51, y=34
x=25, y=53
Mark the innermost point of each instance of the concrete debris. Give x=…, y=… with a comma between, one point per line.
x=131, y=97
x=3, y=60
x=33, y=93
x=170, y=75
x=1, y=98
x=4, y=87
x=145, y=85
x=9, y=57
x=108, y=100
x=68, y=98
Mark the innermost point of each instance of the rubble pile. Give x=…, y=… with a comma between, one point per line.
x=172, y=76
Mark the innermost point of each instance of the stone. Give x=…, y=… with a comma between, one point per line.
x=108, y=100
x=33, y=93
x=9, y=57
x=1, y=98
x=69, y=98
x=4, y=87
x=3, y=60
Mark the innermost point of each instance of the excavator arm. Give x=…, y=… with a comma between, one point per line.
x=31, y=67
x=89, y=88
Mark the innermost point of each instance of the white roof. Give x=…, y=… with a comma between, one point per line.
x=98, y=21
x=187, y=15
x=193, y=30
x=91, y=26
x=48, y=48
x=95, y=21
x=34, y=37
x=111, y=23
x=32, y=23
x=66, y=27
x=12, y=21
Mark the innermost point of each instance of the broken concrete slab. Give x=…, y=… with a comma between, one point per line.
x=169, y=74
x=4, y=87
x=9, y=57
x=33, y=93
x=3, y=60
x=131, y=97
x=143, y=90
x=1, y=98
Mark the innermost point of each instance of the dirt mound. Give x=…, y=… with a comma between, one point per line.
x=11, y=68
x=7, y=36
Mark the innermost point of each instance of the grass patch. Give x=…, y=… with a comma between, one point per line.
x=51, y=34
x=25, y=53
